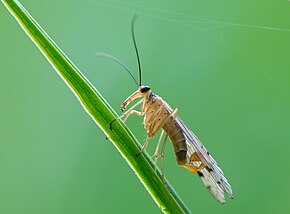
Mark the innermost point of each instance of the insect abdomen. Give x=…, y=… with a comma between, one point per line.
x=177, y=138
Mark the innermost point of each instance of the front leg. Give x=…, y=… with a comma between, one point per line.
x=128, y=113
x=138, y=113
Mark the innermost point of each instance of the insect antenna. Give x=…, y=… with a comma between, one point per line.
x=135, y=46
x=119, y=62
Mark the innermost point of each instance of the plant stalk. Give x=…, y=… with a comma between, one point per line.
x=100, y=111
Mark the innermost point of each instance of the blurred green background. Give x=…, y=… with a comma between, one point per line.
x=224, y=64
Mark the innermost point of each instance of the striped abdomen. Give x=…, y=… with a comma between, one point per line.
x=177, y=138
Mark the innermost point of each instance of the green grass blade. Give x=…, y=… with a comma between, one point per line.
x=99, y=110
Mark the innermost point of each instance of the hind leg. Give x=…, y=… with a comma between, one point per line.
x=162, y=158
x=156, y=150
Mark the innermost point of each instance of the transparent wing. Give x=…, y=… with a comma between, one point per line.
x=212, y=176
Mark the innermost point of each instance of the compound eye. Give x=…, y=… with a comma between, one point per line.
x=144, y=89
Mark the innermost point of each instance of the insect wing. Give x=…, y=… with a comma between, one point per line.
x=212, y=176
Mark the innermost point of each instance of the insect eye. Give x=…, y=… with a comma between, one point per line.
x=144, y=89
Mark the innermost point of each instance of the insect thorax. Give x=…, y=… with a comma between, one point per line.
x=154, y=111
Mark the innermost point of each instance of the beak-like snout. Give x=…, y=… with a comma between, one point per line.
x=132, y=97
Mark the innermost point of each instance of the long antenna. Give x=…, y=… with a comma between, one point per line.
x=135, y=46
x=119, y=62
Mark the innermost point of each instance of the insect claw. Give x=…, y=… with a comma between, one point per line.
x=167, y=186
x=156, y=157
x=111, y=123
x=138, y=154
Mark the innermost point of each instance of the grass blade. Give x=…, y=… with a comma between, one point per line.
x=99, y=110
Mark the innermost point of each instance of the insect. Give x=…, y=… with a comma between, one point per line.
x=159, y=116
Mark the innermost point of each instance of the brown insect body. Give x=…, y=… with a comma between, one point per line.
x=159, y=116
x=156, y=111
x=189, y=151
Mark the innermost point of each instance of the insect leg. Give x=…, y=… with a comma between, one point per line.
x=130, y=109
x=157, y=148
x=144, y=147
x=132, y=112
x=126, y=113
x=162, y=158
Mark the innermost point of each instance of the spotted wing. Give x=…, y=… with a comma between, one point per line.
x=212, y=176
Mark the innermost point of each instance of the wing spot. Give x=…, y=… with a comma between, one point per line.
x=209, y=169
x=200, y=174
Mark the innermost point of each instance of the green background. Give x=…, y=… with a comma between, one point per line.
x=224, y=64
